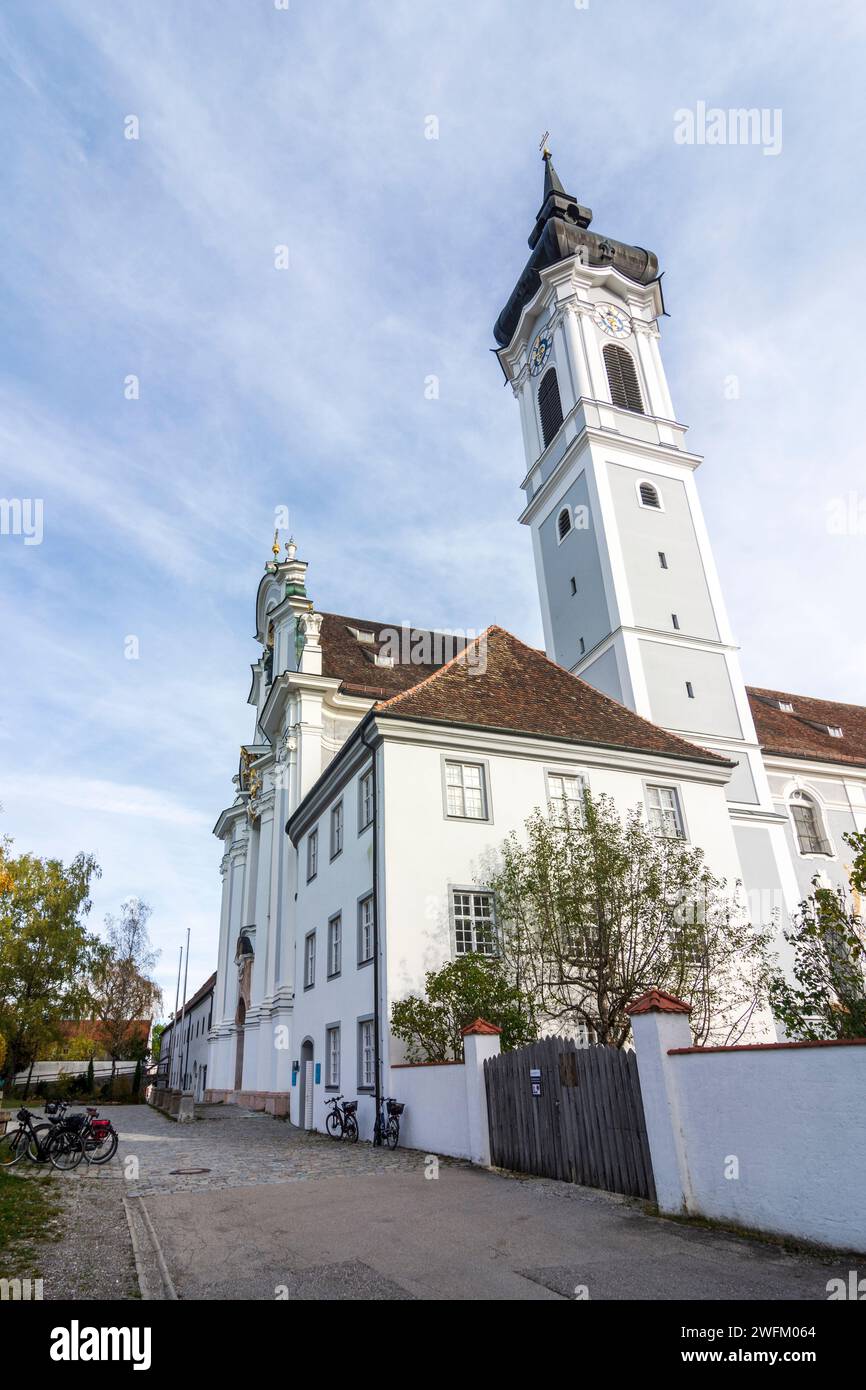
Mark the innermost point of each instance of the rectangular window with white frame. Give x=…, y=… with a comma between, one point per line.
x=332, y=1057
x=365, y=930
x=309, y=960
x=366, y=1055
x=466, y=791
x=565, y=794
x=665, y=812
x=335, y=945
x=474, y=922
x=312, y=854
x=365, y=800
x=336, y=829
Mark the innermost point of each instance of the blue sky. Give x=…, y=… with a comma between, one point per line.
x=304, y=387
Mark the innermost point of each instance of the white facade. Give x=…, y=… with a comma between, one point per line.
x=427, y=862
x=301, y=719
x=184, y=1046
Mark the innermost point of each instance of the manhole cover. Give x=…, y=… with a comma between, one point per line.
x=186, y=1172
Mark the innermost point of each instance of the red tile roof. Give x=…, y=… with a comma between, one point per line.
x=657, y=1001
x=500, y=683
x=352, y=661
x=481, y=1026
x=803, y=733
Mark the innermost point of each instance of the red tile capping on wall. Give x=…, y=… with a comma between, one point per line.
x=481, y=1026
x=449, y=1062
x=770, y=1047
x=656, y=1001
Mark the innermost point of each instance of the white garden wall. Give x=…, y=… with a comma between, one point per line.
x=446, y=1102
x=770, y=1137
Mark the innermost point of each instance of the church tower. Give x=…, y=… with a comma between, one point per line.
x=630, y=597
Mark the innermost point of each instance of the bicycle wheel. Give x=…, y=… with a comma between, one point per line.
x=36, y=1143
x=351, y=1129
x=334, y=1125
x=64, y=1149
x=392, y=1133
x=13, y=1146
x=101, y=1150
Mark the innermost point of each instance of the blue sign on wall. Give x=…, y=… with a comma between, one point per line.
x=318, y=1072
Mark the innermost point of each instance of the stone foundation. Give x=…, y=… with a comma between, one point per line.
x=273, y=1102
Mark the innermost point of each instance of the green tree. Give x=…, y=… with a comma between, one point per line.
x=594, y=909
x=90, y=1077
x=827, y=998
x=123, y=992
x=470, y=987
x=45, y=949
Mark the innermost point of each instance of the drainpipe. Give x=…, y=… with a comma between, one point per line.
x=377, y=1052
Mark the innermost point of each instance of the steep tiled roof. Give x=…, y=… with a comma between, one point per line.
x=802, y=733
x=351, y=660
x=515, y=687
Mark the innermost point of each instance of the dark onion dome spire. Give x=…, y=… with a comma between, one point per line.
x=560, y=231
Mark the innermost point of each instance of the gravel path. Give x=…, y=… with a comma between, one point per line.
x=92, y=1259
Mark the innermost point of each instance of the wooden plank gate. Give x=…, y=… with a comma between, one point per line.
x=569, y=1112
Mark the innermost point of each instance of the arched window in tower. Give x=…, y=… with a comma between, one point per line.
x=563, y=523
x=649, y=496
x=549, y=405
x=808, y=824
x=622, y=378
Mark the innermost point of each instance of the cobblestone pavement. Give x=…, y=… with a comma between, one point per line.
x=239, y=1148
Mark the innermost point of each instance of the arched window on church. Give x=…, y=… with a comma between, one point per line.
x=622, y=378
x=649, y=496
x=563, y=523
x=808, y=825
x=549, y=405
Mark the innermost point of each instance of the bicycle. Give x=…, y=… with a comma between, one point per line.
x=41, y=1143
x=98, y=1137
x=341, y=1122
x=386, y=1130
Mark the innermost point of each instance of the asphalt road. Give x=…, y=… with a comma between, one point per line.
x=282, y=1214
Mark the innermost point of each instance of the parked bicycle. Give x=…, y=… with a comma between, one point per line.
x=342, y=1122
x=99, y=1138
x=42, y=1143
x=386, y=1130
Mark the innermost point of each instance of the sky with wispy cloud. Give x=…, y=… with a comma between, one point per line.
x=306, y=126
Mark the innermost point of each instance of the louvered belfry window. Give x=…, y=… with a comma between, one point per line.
x=549, y=405
x=622, y=378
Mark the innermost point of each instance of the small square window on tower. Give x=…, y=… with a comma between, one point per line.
x=573, y=582
x=690, y=690
x=663, y=560
x=676, y=622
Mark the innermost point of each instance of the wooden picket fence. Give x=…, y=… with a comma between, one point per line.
x=569, y=1112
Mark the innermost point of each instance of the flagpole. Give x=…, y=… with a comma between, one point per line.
x=174, y=1018
x=183, y=1005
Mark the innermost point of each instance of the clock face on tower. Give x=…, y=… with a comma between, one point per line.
x=611, y=320
x=540, y=351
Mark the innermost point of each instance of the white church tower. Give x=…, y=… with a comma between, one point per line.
x=630, y=597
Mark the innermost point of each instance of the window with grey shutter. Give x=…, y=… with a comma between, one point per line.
x=622, y=378
x=549, y=405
